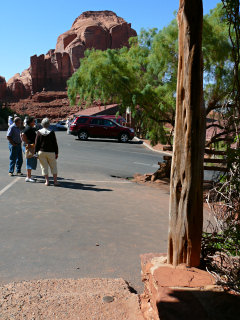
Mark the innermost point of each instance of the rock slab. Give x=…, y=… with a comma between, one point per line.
x=183, y=293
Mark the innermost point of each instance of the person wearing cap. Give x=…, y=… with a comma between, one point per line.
x=15, y=147
x=47, y=148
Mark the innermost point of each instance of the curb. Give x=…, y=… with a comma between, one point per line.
x=152, y=149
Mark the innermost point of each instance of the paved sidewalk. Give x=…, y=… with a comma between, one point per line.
x=68, y=299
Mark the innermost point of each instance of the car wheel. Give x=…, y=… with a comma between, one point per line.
x=124, y=137
x=82, y=135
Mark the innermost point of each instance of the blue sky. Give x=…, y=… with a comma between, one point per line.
x=31, y=27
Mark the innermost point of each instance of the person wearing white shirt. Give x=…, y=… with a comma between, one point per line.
x=10, y=121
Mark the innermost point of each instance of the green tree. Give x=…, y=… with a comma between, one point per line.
x=144, y=76
x=119, y=76
x=223, y=243
x=145, y=38
x=217, y=58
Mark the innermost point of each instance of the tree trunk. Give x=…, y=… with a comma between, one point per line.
x=186, y=195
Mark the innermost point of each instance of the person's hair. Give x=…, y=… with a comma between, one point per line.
x=29, y=120
x=16, y=119
x=45, y=123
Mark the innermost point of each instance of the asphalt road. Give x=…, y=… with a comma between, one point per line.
x=93, y=225
x=96, y=224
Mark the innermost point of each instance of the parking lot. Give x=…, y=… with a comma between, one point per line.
x=94, y=225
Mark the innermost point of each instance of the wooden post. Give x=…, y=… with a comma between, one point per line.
x=186, y=196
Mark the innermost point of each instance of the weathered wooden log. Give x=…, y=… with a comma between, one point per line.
x=163, y=172
x=166, y=158
x=186, y=192
x=167, y=148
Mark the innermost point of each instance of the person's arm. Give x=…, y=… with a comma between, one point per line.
x=55, y=144
x=37, y=143
x=11, y=141
x=9, y=137
x=24, y=138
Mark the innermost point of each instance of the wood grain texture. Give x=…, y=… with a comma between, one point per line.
x=186, y=196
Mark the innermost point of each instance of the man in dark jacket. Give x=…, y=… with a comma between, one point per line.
x=15, y=147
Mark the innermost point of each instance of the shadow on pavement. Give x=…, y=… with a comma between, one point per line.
x=109, y=140
x=51, y=178
x=81, y=186
x=70, y=184
x=74, y=185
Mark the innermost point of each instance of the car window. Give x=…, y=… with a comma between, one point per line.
x=82, y=120
x=98, y=122
x=108, y=123
x=115, y=121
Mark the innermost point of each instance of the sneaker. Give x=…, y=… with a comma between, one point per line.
x=10, y=174
x=19, y=174
x=29, y=180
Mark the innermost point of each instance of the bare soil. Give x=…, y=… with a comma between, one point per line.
x=69, y=299
x=163, y=184
x=52, y=104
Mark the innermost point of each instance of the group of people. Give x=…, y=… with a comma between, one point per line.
x=37, y=144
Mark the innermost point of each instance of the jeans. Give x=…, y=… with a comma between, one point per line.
x=31, y=163
x=15, y=158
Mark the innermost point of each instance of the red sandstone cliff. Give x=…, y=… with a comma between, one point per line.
x=3, y=88
x=92, y=29
x=19, y=86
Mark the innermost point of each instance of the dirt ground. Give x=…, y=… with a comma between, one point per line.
x=83, y=299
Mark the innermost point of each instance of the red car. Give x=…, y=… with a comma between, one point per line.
x=99, y=127
x=120, y=120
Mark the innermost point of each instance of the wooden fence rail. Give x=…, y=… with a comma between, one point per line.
x=209, y=160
